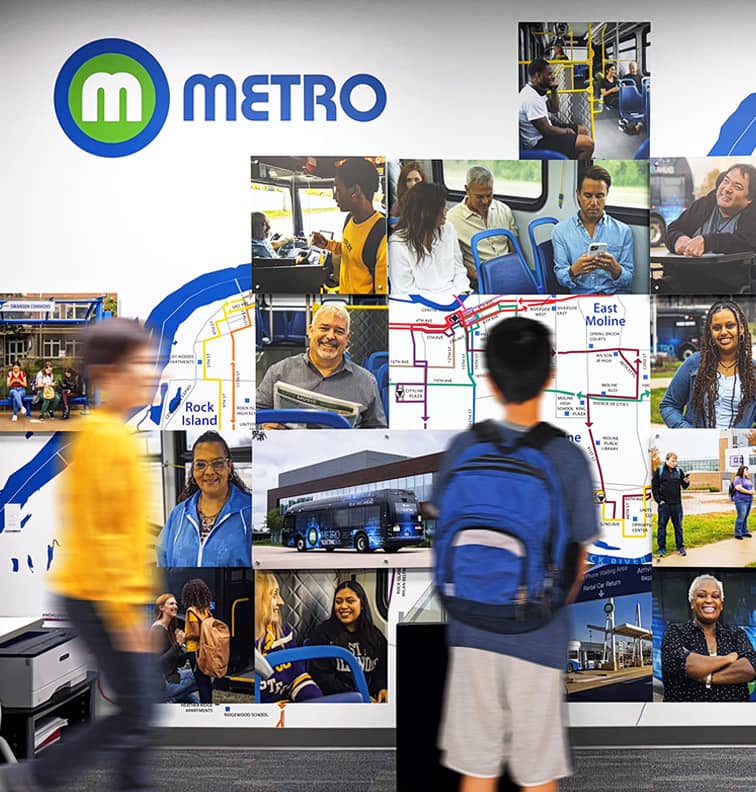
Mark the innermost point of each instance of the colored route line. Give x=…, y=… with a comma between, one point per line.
x=737, y=135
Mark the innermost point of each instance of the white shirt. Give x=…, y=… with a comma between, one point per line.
x=440, y=273
x=532, y=106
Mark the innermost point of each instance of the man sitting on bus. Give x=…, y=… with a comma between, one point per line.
x=324, y=369
x=363, y=242
x=724, y=221
x=536, y=130
x=480, y=211
x=593, y=252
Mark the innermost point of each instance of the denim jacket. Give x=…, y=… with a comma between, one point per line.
x=677, y=399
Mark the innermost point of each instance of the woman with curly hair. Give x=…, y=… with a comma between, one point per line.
x=197, y=598
x=211, y=524
x=424, y=253
x=715, y=387
x=411, y=174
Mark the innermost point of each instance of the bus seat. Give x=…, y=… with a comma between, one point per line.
x=543, y=253
x=631, y=103
x=541, y=154
x=281, y=656
x=382, y=378
x=261, y=335
x=507, y=274
x=643, y=149
x=314, y=417
x=374, y=361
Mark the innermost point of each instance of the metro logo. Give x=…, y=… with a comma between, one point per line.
x=111, y=97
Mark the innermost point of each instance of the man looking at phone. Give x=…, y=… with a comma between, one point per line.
x=593, y=252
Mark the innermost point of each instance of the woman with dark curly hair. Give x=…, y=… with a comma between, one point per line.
x=351, y=627
x=196, y=597
x=211, y=524
x=715, y=387
x=424, y=252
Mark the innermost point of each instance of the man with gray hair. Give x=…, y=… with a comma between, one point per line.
x=324, y=369
x=480, y=211
x=704, y=659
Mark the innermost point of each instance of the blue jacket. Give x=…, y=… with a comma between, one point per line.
x=677, y=399
x=229, y=544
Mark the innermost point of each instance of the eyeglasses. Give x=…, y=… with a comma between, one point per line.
x=218, y=465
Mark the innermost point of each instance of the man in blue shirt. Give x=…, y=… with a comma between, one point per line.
x=608, y=271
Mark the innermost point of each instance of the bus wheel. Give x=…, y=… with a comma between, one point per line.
x=300, y=544
x=656, y=231
x=361, y=543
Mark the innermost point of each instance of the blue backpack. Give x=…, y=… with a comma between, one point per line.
x=502, y=557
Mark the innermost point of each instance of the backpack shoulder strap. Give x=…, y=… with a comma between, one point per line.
x=370, y=248
x=540, y=436
x=346, y=220
x=486, y=432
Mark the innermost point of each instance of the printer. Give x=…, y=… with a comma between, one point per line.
x=37, y=662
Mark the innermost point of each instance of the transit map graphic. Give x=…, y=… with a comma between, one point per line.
x=205, y=335
x=599, y=396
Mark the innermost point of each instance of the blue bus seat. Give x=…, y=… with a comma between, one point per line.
x=374, y=361
x=281, y=656
x=541, y=154
x=261, y=329
x=382, y=378
x=631, y=103
x=643, y=149
x=507, y=274
x=314, y=417
x=543, y=253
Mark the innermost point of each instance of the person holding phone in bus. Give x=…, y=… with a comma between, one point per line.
x=290, y=681
x=593, y=252
x=715, y=388
x=351, y=627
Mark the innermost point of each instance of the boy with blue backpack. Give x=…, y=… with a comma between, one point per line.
x=516, y=514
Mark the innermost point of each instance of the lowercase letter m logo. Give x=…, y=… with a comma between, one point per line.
x=111, y=97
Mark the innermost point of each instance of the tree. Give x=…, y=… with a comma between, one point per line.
x=274, y=520
x=656, y=460
x=707, y=183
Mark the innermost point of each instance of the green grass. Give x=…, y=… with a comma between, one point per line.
x=657, y=394
x=666, y=368
x=700, y=529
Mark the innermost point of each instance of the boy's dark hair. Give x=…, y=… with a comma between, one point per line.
x=518, y=358
x=196, y=594
x=361, y=172
x=595, y=173
x=111, y=341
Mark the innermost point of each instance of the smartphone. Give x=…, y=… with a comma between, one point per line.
x=594, y=248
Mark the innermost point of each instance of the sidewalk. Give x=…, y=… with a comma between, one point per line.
x=727, y=553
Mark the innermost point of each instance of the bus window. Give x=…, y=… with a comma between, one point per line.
x=275, y=203
x=319, y=211
x=341, y=518
x=513, y=180
x=629, y=188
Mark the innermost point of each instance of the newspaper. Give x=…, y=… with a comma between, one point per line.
x=292, y=397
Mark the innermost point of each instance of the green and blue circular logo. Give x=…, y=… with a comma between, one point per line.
x=111, y=97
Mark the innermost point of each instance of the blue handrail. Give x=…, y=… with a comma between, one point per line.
x=282, y=656
x=320, y=417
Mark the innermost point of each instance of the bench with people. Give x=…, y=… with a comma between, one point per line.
x=47, y=390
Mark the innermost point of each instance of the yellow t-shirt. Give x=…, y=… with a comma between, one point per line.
x=354, y=276
x=105, y=541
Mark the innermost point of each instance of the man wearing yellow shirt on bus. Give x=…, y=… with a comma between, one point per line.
x=105, y=570
x=363, y=242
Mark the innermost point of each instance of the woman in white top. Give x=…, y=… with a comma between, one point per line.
x=424, y=253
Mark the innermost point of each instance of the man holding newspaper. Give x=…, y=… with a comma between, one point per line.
x=322, y=378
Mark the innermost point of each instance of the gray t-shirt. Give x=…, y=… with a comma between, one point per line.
x=716, y=224
x=349, y=381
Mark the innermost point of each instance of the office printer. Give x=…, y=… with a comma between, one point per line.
x=36, y=662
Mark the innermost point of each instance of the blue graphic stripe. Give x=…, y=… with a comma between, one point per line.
x=30, y=478
x=738, y=133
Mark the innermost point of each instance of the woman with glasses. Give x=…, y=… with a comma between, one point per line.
x=211, y=524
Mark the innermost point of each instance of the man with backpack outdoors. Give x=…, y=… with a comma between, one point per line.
x=516, y=515
x=666, y=483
